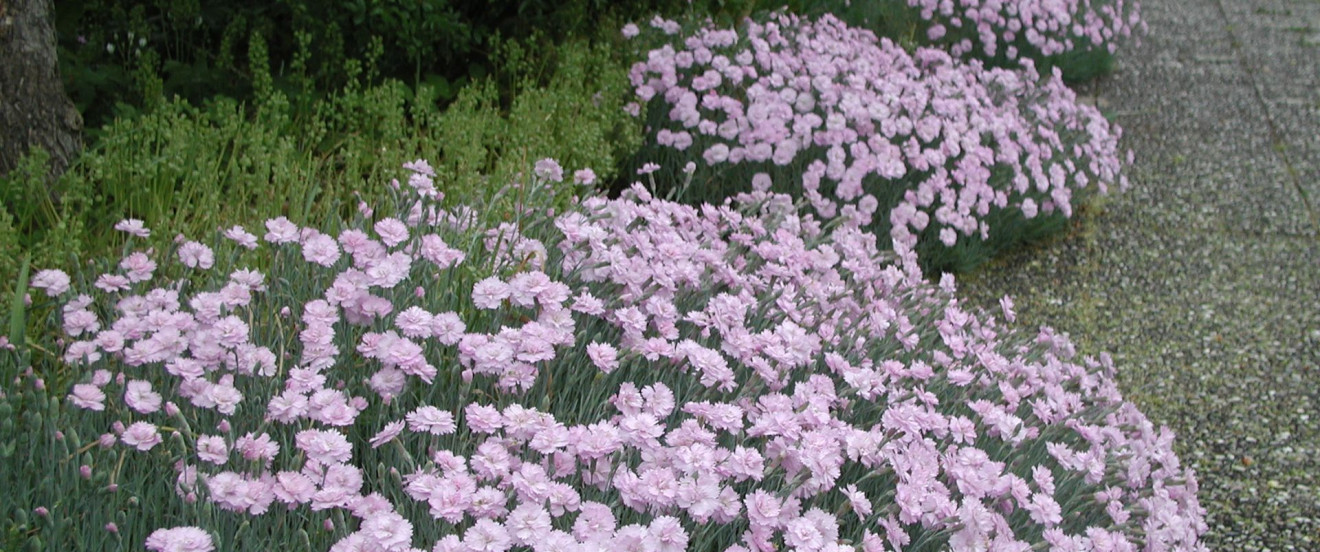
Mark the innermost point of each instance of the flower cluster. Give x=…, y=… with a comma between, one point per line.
x=920, y=145
x=634, y=374
x=1050, y=27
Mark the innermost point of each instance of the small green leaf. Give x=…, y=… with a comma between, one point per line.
x=17, y=310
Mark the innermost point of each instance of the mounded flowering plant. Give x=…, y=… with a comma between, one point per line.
x=1078, y=36
x=949, y=157
x=1072, y=33
x=633, y=374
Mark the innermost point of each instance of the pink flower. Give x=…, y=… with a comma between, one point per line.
x=630, y=30
x=88, y=396
x=180, y=539
x=196, y=255
x=490, y=293
x=321, y=249
x=604, y=356
x=391, y=430
x=549, y=169
x=420, y=166
x=293, y=488
x=138, y=266
x=668, y=534
x=414, y=322
x=585, y=177
x=139, y=396
x=242, y=237
x=483, y=419
x=324, y=447
x=857, y=499
x=257, y=447
x=432, y=420
x=487, y=536
x=392, y=231
x=1029, y=208
x=224, y=398
x=250, y=279
x=387, y=530
x=447, y=328
x=281, y=230
x=142, y=436
x=133, y=227
x=388, y=382
x=762, y=508
x=802, y=534
x=595, y=522
x=436, y=251
x=1006, y=304
x=53, y=281
x=212, y=448
x=78, y=321
x=528, y=524
x=111, y=283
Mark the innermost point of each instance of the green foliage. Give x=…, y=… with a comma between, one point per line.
x=189, y=169
x=118, y=58
x=35, y=220
x=10, y=248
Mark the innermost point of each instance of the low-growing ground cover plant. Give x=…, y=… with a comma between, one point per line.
x=949, y=157
x=1081, y=37
x=632, y=374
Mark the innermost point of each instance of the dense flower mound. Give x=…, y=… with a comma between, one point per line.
x=923, y=146
x=634, y=374
x=1044, y=27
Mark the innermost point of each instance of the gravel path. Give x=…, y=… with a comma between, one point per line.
x=1203, y=279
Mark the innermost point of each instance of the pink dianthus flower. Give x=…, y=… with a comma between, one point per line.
x=180, y=539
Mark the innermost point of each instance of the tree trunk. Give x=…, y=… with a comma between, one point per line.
x=34, y=110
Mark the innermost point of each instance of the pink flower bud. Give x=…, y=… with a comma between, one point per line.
x=41, y=511
x=85, y=471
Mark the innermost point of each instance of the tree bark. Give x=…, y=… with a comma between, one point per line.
x=34, y=110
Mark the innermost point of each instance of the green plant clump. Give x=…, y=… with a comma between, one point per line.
x=196, y=170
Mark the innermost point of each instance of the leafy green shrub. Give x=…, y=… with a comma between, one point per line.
x=38, y=221
x=115, y=56
x=187, y=169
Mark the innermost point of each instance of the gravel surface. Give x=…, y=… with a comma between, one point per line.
x=1203, y=279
